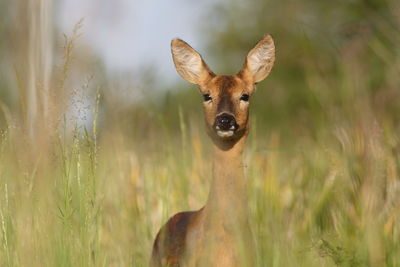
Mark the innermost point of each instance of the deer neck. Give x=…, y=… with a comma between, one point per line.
x=227, y=198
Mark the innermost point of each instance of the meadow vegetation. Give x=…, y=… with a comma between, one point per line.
x=87, y=178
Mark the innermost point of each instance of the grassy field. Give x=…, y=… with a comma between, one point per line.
x=90, y=183
x=98, y=200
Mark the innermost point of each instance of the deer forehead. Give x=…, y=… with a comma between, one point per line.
x=224, y=85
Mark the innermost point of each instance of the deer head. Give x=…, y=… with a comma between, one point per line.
x=226, y=97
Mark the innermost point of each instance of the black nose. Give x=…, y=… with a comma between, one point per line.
x=225, y=122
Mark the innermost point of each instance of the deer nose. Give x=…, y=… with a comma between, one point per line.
x=225, y=122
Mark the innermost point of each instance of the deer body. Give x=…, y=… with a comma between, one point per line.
x=219, y=234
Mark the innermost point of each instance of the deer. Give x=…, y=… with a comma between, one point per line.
x=219, y=233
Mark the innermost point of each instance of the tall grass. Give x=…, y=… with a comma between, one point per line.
x=93, y=187
x=331, y=202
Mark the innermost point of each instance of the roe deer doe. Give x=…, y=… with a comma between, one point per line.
x=219, y=233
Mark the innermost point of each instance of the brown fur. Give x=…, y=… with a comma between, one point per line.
x=169, y=245
x=219, y=234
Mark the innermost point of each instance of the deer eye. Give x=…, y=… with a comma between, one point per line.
x=245, y=97
x=207, y=97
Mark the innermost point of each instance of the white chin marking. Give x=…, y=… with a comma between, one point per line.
x=225, y=133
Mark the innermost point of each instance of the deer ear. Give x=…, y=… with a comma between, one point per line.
x=189, y=63
x=260, y=59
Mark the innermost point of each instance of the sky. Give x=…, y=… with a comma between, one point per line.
x=130, y=34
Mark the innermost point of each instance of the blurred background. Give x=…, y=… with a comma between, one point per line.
x=102, y=141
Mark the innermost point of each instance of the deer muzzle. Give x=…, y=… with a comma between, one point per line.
x=225, y=125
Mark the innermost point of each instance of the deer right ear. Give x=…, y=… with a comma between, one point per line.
x=189, y=63
x=260, y=59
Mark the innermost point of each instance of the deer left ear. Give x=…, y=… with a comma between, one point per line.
x=189, y=63
x=260, y=59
